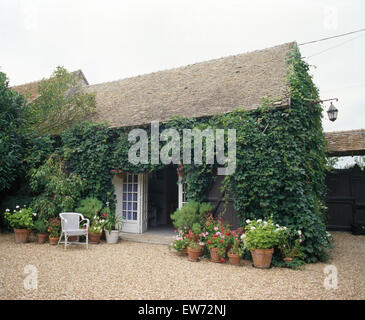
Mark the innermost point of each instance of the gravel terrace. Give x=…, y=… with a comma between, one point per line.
x=130, y=270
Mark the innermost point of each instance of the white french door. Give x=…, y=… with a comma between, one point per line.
x=132, y=202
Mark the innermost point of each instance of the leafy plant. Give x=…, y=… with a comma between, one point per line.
x=261, y=234
x=57, y=191
x=40, y=226
x=20, y=218
x=180, y=243
x=112, y=221
x=54, y=227
x=89, y=207
x=97, y=225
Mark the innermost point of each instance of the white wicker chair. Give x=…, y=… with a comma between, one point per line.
x=70, y=223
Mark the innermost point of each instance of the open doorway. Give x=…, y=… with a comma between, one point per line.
x=162, y=198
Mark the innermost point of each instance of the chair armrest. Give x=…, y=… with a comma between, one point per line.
x=87, y=222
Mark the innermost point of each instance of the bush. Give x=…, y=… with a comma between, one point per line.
x=40, y=226
x=89, y=207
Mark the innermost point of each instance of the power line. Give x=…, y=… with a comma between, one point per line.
x=337, y=36
x=338, y=45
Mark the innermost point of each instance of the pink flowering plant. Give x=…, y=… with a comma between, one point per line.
x=216, y=234
x=180, y=243
x=291, y=244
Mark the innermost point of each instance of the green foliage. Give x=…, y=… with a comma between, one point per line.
x=20, y=218
x=88, y=148
x=61, y=103
x=184, y=218
x=262, y=234
x=40, y=226
x=196, y=228
x=11, y=137
x=97, y=225
x=54, y=227
x=113, y=221
x=56, y=190
x=290, y=244
x=89, y=207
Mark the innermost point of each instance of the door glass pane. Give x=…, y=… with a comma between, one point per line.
x=129, y=197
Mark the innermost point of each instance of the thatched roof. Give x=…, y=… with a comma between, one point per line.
x=202, y=89
x=31, y=88
x=345, y=143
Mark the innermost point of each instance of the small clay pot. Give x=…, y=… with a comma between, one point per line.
x=215, y=256
x=53, y=241
x=94, y=238
x=184, y=252
x=286, y=259
x=42, y=237
x=262, y=257
x=234, y=259
x=194, y=254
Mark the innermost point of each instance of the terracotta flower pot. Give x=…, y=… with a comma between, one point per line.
x=202, y=251
x=184, y=252
x=94, y=238
x=234, y=259
x=194, y=254
x=262, y=257
x=42, y=237
x=215, y=256
x=286, y=259
x=53, y=241
x=21, y=235
x=72, y=238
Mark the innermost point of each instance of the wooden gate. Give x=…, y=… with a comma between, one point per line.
x=345, y=198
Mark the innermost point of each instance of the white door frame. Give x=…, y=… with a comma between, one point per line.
x=140, y=224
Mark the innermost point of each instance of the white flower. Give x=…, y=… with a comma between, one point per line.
x=248, y=221
x=17, y=207
x=14, y=210
x=265, y=223
x=34, y=214
x=7, y=210
x=243, y=236
x=284, y=228
x=253, y=228
x=260, y=220
x=299, y=232
x=277, y=226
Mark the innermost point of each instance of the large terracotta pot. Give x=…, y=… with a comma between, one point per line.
x=194, y=254
x=53, y=241
x=262, y=257
x=42, y=237
x=21, y=235
x=215, y=256
x=94, y=238
x=234, y=259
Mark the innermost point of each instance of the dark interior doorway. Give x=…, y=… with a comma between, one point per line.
x=162, y=196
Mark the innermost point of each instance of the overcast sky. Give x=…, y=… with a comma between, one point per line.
x=111, y=40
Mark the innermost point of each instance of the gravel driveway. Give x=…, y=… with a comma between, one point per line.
x=131, y=270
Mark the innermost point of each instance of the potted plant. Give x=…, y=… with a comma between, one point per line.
x=96, y=229
x=260, y=238
x=21, y=221
x=195, y=250
x=180, y=244
x=54, y=229
x=236, y=251
x=290, y=247
x=218, y=237
x=41, y=227
x=112, y=226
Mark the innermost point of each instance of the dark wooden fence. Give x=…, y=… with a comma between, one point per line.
x=345, y=198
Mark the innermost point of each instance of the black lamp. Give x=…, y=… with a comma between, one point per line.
x=332, y=112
